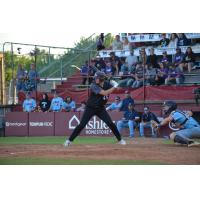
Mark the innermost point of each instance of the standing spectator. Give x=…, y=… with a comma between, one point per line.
x=164, y=41
x=33, y=77
x=162, y=74
x=115, y=63
x=125, y=102
x=20, y=78
x=56, y=103
x=126, y=45
x=179, y=58
x=117, y=44
x=189, y=59
x=130, y=120
x=84, y=72
x=182, y=40
x=173, y=41
x=29, y=104
x=131, y=61
x=146, y=118
x=69, y=105
x=152, y=59
x=82, y=107
x=45, y=104
x=115, y=105
x=100, y=42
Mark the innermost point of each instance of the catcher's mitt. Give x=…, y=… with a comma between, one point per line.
x=155, y=126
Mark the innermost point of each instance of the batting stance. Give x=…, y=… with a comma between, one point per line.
x=188, y=127
x=99, y=93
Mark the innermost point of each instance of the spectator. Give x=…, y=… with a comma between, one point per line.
x=179, y=58
x=20, y=78
x=124, y=67
x=162, y=74
x=151, y=73
x=69, y=105
x=165, y=59
x=126, y=45
x=45, y=104
x=131, y=61
x=146, y=118
x=84, y=72
x=175, y=76
x=109, y=70
x=33, y=77
x=143, y=57
x=117, y=44
x=164, y=41
x=173, y=41
x=92, y=71
x=126, y=101
x=152, y=59
x=82, y=107
x=189, y=59
x=99, y=63
x=115, y=105
x=130, y=120
x=182, y=40
x=115, y=63
x=56, y=103
x=29, y=104
x=100, y=42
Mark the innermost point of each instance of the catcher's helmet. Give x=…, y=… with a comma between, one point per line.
x=100, y=75
x=169, y=106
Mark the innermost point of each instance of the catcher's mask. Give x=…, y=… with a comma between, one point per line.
x=169, y=106
x=100, y=75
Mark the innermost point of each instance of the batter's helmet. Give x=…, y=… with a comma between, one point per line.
x=100, y=75
x=169, y=106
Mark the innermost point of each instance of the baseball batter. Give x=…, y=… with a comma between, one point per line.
x=99, y=93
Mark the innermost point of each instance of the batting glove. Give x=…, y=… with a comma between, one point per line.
x=114, y=83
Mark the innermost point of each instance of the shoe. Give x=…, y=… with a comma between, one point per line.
x=122, y=142
x=193, y=144
x=67, y=143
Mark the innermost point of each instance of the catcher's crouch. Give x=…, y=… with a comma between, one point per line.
x=188, y=127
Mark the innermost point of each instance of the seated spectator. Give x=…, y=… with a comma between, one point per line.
x=150, y=75
x=99, y=63
x=143, y=57
x=179, y=58
x=130, y=119
x=20, y=78
x=117, y=44
x=84, y=72
x=115, y=63
x=162, y=74
x=100, y=42
x=82, y=107
x=164, y=41
x=126, y=46
x=165, y=57
x=125, y=102
x=45, y=104
x=69, y=105
x=152, y=59
x=173, y=41
x=29, y=104
x=115, y=105
x=182, y=40
x=124, y=67
x=109, y=70
x=189, y=59
x=33, y=77
x=56, y=103
x=131, y=61
x=175, y=76
x=197, y=95
x=146, y=118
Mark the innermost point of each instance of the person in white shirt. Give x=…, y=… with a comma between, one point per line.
x=173, y=41
x=29, y=104
x=117, y=44
x=131, y=61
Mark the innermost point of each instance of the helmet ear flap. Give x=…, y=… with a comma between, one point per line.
x=171, y=106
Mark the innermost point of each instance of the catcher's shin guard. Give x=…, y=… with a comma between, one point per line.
x=181, y=140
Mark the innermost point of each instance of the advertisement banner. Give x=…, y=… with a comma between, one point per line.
x=16, y=124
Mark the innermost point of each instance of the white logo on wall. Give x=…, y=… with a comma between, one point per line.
x=46, y=124
x=15, y=124
x=94, y=126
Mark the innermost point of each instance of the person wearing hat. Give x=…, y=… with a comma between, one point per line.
x=115, y=105
x=29, y=104
x=130, y=119
x=128, y=99
x=178, y=60
x=99, y=94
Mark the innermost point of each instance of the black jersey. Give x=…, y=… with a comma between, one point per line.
x=44, y=105
x=97, y=100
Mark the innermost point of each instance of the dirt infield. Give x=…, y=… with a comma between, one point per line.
x=139, y=149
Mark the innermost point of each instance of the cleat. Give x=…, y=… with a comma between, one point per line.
x=122, y=142
x=67, y=143
x=193, y=144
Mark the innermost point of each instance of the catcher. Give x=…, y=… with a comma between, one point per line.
x=184, y=125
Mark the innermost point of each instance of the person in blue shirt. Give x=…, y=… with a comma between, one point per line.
x=188, y=129
x=84, y=72
x=33, y=77
x=129, y=121
x=126, y=101
x=29, y=104
x=69, y=105
x=115, y=105
x=20, y=78
x=56, y=103
x=146, y=118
